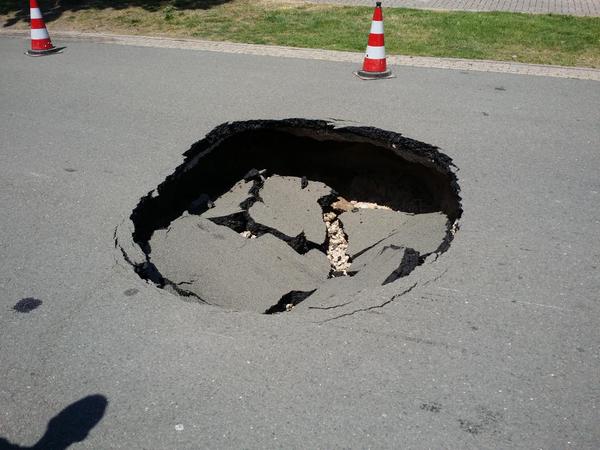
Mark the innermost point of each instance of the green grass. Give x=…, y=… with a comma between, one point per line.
x=543, y=39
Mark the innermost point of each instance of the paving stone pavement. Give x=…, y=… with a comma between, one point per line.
x=568, y=7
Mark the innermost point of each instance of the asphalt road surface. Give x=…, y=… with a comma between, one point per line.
x=496, y=347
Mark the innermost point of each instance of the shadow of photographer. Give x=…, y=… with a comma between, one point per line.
x=71, y=425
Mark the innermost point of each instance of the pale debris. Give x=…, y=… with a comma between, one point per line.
x=338, y=241
x=338, y=244
x=368, y=205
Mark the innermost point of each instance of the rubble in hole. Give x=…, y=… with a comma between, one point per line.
x=280, y=250
x=337, y=244
x=337, y=239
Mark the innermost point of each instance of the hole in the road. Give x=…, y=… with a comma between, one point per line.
x=262, y=215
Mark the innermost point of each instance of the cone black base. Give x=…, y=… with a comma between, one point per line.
x=50, y=51
x=373, y=75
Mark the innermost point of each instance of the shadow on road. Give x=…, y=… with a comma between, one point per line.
x=53, y=9
x=71, y=425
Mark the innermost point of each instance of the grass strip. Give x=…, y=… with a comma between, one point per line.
x=542, y=39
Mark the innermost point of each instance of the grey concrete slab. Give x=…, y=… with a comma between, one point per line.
x=390, y=263
x=369, y=231
x=229, y=203
x=345, y=295
x=223, y=268
x=366, y=227
x=290, y=209
x=494, y=345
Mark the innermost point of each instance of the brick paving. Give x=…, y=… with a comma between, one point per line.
x=567, y=7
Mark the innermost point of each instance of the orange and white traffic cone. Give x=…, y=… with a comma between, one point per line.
x=40, y=40
x=375, y=64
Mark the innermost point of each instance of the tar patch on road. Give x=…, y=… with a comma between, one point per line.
x=26, y=305
x=433, y=407
x=486, y=421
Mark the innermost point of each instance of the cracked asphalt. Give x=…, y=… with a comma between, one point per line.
x=494, y=345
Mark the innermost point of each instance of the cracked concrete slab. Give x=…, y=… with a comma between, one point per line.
x=229, y=203
x=345, y=296
x=422, y=232
x=366, y=227
x=223, y=268
x=331, y=294
x=335, y=293
x=317, y=259
x=390, y=263
x=291, y=209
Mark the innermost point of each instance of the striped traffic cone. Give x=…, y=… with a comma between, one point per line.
x=40, y=40
x=374, y=64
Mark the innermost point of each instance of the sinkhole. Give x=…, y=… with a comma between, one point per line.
x=265, y=214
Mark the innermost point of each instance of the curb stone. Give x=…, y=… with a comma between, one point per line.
x=580, y=73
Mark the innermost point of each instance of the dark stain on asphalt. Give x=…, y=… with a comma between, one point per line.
x=433, y=407
x=26, y=305
x=487, y=420
x=470, y=427
x=69, y=169
x=485, y=114
x=131, y=292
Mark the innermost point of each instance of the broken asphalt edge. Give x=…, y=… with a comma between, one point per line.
x=581, y=73
x=131, y=237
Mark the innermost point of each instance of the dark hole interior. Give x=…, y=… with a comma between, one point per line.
x=357, y=168
x=356, y=163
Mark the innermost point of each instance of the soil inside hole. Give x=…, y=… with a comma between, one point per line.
x=253, y=218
